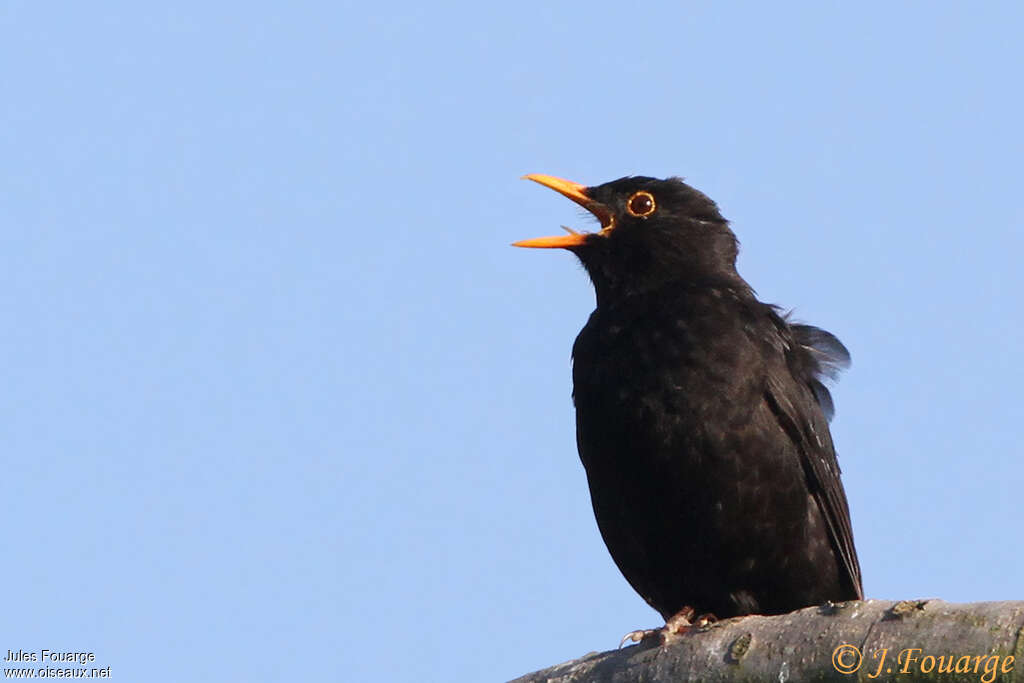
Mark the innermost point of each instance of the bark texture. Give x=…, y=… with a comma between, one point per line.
x=870, y=640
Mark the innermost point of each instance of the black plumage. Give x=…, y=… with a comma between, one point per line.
x=701, y=414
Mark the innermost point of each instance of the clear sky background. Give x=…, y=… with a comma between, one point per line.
x=281, y=403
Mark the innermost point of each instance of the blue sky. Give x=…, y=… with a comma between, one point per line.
x=281, y=402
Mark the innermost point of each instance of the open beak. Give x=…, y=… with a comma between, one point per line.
x=577, y=193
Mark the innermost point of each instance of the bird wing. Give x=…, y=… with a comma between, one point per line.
x=811, y=355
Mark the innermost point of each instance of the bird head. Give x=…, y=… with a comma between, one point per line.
x=652, y=232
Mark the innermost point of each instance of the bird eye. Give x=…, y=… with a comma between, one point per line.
x=641, y=204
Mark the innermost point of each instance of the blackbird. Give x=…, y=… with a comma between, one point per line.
x=702, y=414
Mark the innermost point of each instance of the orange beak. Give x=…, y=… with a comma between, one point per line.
x=577, y=193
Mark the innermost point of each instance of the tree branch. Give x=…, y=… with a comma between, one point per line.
x=871, y=640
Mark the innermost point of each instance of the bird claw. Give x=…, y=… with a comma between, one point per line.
x=681, y=622
x=704, y=620
x=637, y=636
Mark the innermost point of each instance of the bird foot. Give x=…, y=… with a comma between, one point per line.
x=681, y=622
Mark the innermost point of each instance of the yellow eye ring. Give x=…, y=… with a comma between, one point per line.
x=641, y=204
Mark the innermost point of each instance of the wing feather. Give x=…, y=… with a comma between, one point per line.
x=813, y=355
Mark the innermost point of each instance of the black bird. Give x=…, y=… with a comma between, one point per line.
x=701, y=414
